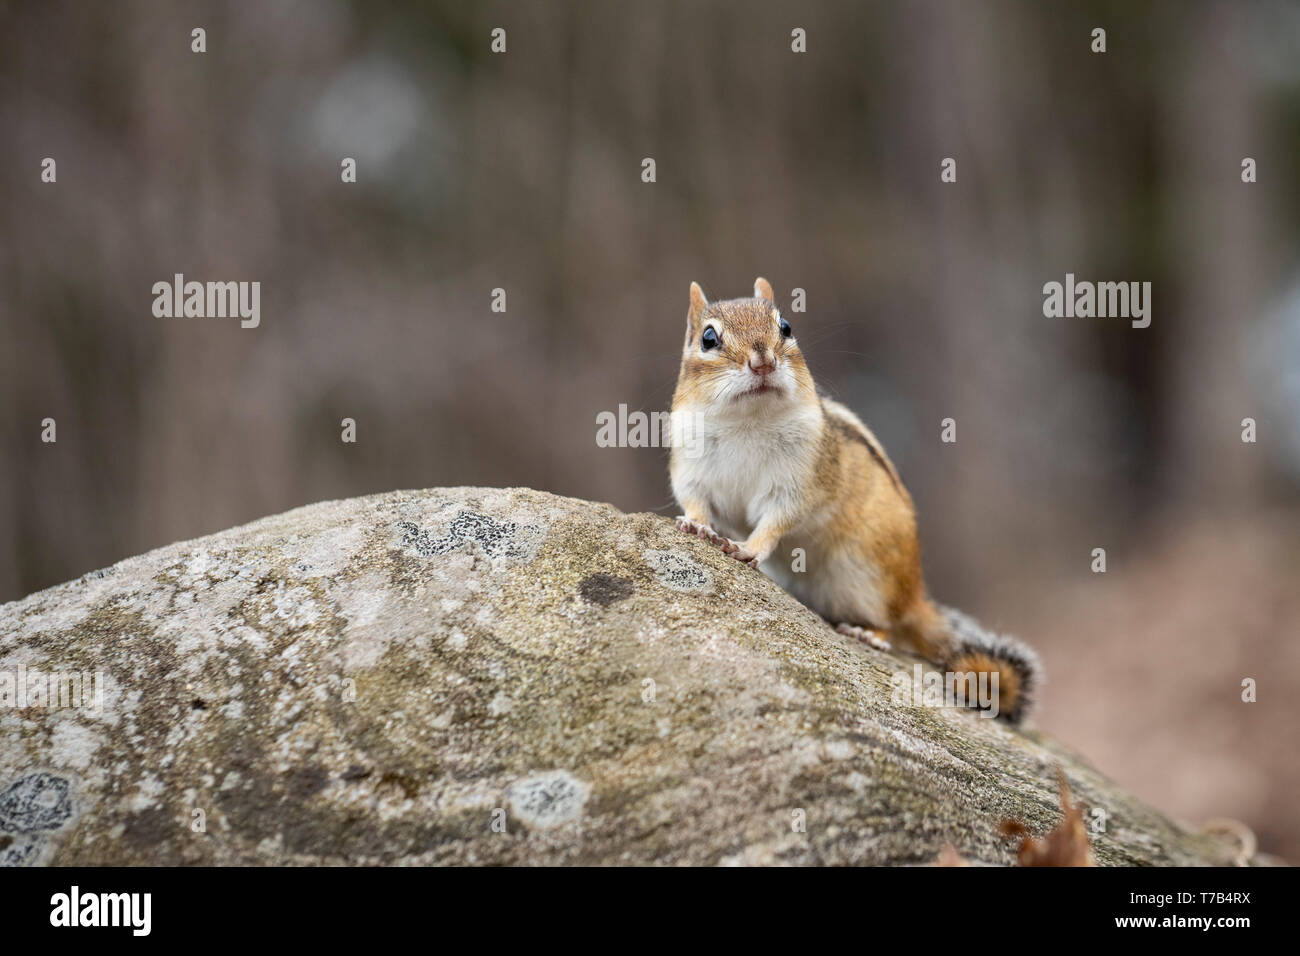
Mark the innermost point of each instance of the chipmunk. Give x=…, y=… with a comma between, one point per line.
x=768, y=465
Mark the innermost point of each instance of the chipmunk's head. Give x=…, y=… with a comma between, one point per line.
x=741, y=354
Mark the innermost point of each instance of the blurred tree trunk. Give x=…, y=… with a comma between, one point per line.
x=1219, y=257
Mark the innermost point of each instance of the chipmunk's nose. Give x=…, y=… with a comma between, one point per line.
x=762, y=363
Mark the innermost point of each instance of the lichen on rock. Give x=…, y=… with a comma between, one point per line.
x=468, y=675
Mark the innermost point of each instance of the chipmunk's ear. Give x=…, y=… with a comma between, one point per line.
x=763, y=290
x=696, y=312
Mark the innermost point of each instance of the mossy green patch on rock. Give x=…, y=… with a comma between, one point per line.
x=469, y=675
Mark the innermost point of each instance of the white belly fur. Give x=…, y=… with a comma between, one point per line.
x=747, y=468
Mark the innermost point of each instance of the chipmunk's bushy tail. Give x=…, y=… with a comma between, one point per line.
x=975, y=648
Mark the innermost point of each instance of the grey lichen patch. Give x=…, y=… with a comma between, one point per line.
x=365, y=681
x=678, y=572
x=35, y=802
x=548, y=800
x=470, y=529
x=22, y=850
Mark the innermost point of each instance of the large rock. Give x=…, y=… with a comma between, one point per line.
x=494, y=676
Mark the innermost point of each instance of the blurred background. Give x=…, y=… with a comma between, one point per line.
x=819, y=171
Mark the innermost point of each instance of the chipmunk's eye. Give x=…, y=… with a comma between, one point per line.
x=786, y=331
x=709, y=339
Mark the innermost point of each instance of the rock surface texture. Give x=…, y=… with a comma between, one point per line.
x=493, y=676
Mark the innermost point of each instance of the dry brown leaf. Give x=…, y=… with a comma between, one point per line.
x=1065, y=845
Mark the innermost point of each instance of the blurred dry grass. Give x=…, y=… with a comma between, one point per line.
x=819, y=171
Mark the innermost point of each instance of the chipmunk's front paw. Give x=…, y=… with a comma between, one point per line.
x=724, y=544
x=702, y=530
x=686, y=525
x=864, y=634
